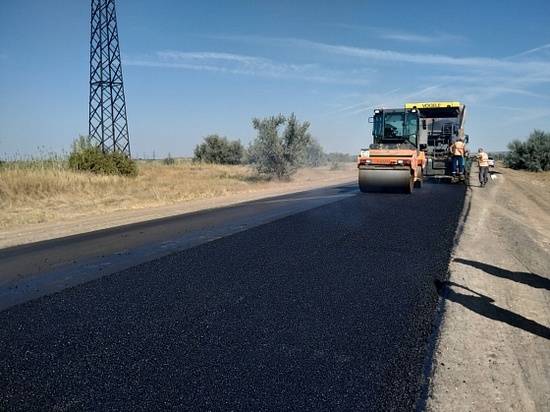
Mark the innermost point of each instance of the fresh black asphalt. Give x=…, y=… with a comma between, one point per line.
x=327, y=309
x=33, y=270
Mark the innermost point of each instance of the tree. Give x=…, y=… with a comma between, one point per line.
x=220, y=150
x=276, y=155
x=533, y=154
x=314, y=155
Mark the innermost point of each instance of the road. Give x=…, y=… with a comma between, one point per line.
x=325, y=302
x=33, y=270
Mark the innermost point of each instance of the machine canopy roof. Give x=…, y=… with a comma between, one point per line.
x=437, y=109
x=432, y=105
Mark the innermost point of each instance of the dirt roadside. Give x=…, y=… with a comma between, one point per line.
x=73, y=225
x=493, y=351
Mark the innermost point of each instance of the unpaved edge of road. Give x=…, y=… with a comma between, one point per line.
x=489, y=349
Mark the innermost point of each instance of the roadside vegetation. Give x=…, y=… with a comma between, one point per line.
x=53, y=187
x=220, y=150
x=42, y=191
x=86, y=157
x=282, y=146
x=532, y=155
x=279, y=153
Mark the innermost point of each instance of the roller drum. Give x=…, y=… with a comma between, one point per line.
x=385, y=180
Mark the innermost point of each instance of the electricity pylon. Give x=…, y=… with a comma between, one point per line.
x=108, y=123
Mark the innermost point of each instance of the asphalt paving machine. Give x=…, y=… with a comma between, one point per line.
x=441, y=124
x=395, y=160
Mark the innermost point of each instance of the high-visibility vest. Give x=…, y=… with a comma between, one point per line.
x=483, y=159
x=458, y=148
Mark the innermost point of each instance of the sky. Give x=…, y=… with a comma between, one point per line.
x=197, y=67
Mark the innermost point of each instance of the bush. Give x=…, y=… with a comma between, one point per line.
x=279, y=156
x=335, y=165
x=498, y=155
x=341, y=158
x=124, y=165
x=533, y=154
x=169, y=160
x=220, y=150
x=85, y=157
x=314, y=155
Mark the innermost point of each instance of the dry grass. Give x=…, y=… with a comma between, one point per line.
x=535, y=182
x=34, y=193
x=541, y=179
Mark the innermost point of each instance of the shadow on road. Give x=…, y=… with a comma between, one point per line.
x=530, y=279
x=484, y=305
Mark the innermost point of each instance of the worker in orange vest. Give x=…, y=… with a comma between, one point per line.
x=483, y=163
x=458, y=150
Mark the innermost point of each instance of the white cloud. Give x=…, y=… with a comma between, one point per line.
x=238, y=64
x=420, y=38
x=386, y=55
x=399, y=35
x=391, y=99
x=472, y=79
x=407, y=37
x=475, y=78
x=367, y=102
x=416, y=58
x=532, y=51
x=178, y=56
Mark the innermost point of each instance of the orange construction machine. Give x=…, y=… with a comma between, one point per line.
x=395, y=160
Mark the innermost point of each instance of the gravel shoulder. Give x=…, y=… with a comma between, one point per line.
x=493, y=351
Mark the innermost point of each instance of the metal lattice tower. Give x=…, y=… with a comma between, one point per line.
x=108, y=126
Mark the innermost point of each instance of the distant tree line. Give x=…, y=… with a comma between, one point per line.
x=498, y=155
x=533, y=154
x=282, y=145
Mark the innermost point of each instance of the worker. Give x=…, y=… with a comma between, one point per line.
x=458, y=150
x=483, y=163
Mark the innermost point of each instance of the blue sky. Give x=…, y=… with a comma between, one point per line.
x=192, y=68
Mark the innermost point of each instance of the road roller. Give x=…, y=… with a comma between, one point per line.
x=396, y=159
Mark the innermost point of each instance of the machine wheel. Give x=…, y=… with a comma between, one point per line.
x=364, y=185
x=385, y=180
